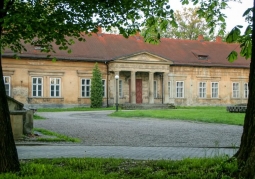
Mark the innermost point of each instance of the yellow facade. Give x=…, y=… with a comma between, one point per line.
x=161, y=82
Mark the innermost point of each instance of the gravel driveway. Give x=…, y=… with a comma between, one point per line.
x=96, y=128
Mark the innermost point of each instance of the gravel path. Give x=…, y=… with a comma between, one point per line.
x=96, y=128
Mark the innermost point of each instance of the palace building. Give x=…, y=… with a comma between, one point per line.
x=182, y=72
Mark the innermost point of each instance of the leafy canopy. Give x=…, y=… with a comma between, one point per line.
x=41, y=22
x=190, y=26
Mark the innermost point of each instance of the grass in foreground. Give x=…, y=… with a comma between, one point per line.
x=202, y=114
x=55, y=136
x=119, y=168
x=73, y=109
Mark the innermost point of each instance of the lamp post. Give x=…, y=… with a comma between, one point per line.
x=117, y=91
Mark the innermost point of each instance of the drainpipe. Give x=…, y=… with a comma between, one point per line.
x=107, y=85
x=162, y=88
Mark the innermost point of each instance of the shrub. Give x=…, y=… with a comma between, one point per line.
x=96, y=97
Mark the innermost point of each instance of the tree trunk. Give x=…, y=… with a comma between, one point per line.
x=246, y=153
x=9, y=161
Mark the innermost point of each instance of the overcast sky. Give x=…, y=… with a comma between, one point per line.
x=234, y=13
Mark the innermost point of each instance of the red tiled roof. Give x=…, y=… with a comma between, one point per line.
x=106, y=47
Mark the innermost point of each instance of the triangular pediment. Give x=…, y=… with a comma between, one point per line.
x=143, y=57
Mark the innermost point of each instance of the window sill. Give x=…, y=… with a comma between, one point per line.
x=238, y=98
x=208, y=98
x=30, y=99
x=34, y=97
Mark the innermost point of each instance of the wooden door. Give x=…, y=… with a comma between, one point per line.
x=139, y=91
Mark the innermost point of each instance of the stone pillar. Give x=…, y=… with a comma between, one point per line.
x=116, y=88
x=151, y=87
x=133, y=86
x=165, y=85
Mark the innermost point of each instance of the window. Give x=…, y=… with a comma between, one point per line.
x=235, y=90
x=155, y=89
x=37, y=83
x=179, y=89
x=85, y=87
x=55, y=87
x=7, y=84
x=169, y=88
x=103, y=83
x=202, y=90
x=215, y=90
x=246, y=90
x=120, y=88
x=202, y=57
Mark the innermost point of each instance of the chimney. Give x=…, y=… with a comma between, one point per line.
x=99, y=31
x=137, y=35
x=200, y=38
x=218, y=39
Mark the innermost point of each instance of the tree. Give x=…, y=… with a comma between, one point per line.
x=190, y=26
x=43, y=22
x=214, y=16
x=96, y=97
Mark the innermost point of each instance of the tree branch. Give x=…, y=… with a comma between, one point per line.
x=8, y=6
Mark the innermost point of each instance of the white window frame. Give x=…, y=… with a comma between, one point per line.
x=202, y=90
x=169, y=89
x=235, y=90
x=55, y=85
x=85, y=85
x=120, y=88
x=104, y=87
x=155, y=88
x=179, y=89
x=213, y=88
x=36, y=85
x=8, y=91
x=246, y=90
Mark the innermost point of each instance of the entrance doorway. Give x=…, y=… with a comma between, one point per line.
x=139, y=91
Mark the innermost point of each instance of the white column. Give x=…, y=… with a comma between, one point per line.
x=165, y=85
x=133, y=86
x=151, y=87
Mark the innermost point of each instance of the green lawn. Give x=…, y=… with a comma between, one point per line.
x=83, y=168
x=202, y=114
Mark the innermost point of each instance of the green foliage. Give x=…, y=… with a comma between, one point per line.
x=203, y=114
x=204, y=168
x=42, y=22
x=96, y=93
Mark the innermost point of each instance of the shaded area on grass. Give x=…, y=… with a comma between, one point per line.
x=202, y=114
x=49, y=136
x=217, y=167
x=37, y=117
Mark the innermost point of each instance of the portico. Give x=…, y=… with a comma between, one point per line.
x=145, y=78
